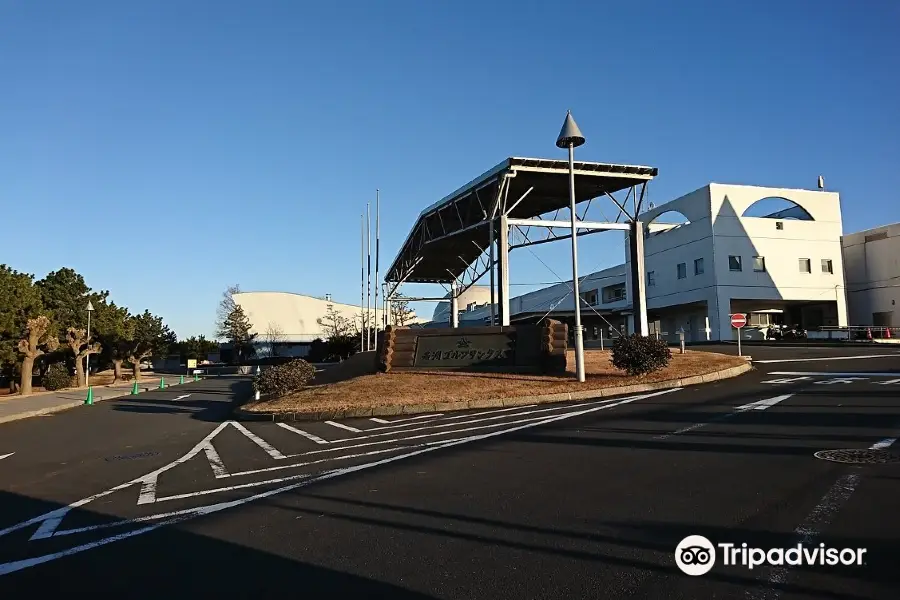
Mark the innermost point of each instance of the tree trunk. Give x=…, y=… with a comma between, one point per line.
x=117, y=369
x=27, y=375
x=136, y=370
x=79, y=371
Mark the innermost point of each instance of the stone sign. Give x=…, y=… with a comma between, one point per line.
x=465, y=350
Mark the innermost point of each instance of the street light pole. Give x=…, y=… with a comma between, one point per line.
x=570, y=137
x=87, y=358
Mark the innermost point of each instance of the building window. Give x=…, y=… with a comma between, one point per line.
x=682, y=270
x=759, y=319
x=804, y=265
x=613, y=293
x=759, y=264
x=590, y=297
x=779, y=225
x=827, y=266
x=651, y=278
x=698, y=266
x=734, y=263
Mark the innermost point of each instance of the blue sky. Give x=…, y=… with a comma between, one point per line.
x=166, y=149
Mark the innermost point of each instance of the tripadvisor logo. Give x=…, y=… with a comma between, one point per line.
x=696, y=555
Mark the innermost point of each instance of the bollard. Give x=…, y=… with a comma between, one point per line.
x=134, y=388
x=257, y=394
x=162, y=383
x=196, y=377
x=90, y=397
x=181, y=379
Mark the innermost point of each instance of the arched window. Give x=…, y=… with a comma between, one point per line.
x=667, y=221
x=777, y=208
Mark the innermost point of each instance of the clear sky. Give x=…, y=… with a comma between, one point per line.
x=168, y=148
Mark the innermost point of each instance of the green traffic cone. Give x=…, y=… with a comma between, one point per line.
x=196, y=377
x=90, y=396
x=134, y=388
x=181, y=379
x=162, y=383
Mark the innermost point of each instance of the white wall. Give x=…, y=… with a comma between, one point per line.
x=873, y=273
x=294, y=314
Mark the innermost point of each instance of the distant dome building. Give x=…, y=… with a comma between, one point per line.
x=474, y=297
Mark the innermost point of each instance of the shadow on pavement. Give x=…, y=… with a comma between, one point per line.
x=166, y=563
x=210, y=400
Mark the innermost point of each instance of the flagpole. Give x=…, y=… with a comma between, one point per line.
x=362, y=279
x=368, y=274
x=377, y=248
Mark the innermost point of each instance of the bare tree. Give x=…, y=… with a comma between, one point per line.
x=36, y=342
x=225, y=309
x=334, y=324
x=78, y=342
x=274, y=336
x=401, y=313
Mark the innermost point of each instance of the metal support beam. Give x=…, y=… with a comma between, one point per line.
x=454, y=305
x=568, y=224
x=638, y=278
x=503, y=247
x=493, y=268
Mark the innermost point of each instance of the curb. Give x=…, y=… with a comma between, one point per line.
x=412, y=409
x=61, y=407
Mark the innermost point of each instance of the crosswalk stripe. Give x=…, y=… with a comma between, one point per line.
x=215, y=461
x=342, y=426
x=270, y=450
x=305, y=434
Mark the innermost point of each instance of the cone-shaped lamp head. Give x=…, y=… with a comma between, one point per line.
x=569, y=134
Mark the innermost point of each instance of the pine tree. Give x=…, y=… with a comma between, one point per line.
x=236, y=329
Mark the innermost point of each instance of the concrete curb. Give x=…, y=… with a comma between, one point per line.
x=61, y=407
x=411, y=409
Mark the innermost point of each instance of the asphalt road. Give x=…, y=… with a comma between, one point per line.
x=156, y=496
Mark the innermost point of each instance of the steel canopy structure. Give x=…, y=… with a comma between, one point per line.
x=447, y=243
x=467, y=234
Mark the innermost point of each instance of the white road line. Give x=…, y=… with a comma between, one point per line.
x=764, y=404
x=408, y=418
x=19, y=565
x=259, y=441
x=817, y=520
x=305, y=434
x=888, y=382
x=444, y=422
x=215, y=461
x=824, y=374
x=883, y=444
x=342, y=426
x=2, y=456
x=788, y=360
x=464, y=416
x=182, y=397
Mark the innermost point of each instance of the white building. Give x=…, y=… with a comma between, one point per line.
x=292, y=320
x=724, y=254
x=872, y=263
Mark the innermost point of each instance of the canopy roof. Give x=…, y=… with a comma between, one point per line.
x=452, y=233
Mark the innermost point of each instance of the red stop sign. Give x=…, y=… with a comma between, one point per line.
x=738, y=320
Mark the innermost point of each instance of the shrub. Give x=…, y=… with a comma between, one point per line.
x=57, y=377
x=282, y=379
x=318, y=351
x=639, y=355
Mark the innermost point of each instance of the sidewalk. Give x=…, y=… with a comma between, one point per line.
x=13, y=408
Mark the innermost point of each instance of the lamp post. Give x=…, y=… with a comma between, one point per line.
x=87, y=358
x=570, y=137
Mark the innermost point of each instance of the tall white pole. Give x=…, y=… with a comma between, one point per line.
x=367, y=320
x=377, y=246
x=362, y=280
x=579, y=341
x=87, y=358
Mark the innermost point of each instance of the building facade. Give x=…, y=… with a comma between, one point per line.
x=772, y=253
x=872, y=263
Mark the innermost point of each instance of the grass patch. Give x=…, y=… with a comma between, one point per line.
x=394, y=389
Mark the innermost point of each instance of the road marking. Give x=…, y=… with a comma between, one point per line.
x=840, y=380
x=787, y=380
x=883, y=444
x=788, y=360
x=889, y=382
x=342, y=426
x=817, y=520
x=259, y=441
x=19, y=565
x=826, y=374
x=181, y=397
x=305, y=434
x=464, y=416
x=2, y=456
x=215, y=461
x=764, y=404
x=408, y=418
